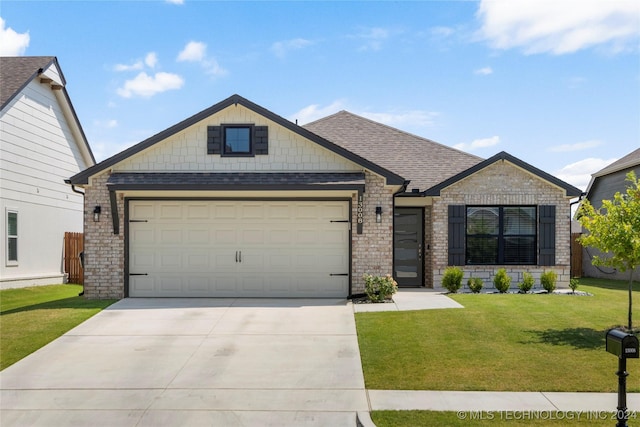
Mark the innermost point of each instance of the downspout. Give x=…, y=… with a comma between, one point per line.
x=75, y=190
x=580, y=197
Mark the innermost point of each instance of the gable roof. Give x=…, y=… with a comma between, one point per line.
x=424, y=162
x=570, y=190
x=630, y=160
x=16, y=72
x=391, y=177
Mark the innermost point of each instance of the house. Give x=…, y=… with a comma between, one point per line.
x=237, y=201
x=603, y=186
x=41, y=145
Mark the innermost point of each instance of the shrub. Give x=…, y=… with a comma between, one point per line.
x=527, y=282
x=475, y=284
x=548, y=280
x=379, y=288
x=502, y=281
x=573, y=284
x=452, y=279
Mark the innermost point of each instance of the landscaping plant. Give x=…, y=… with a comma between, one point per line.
x=548, y=280
x=613, y=229
x=573, y=284
x=475, y=284
x=527, y=282
x=452, y=279
x=502, y=281
x=379, y=288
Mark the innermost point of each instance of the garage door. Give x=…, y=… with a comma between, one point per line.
x=238, y=248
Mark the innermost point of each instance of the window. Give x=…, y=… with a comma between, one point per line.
x=501, y=235
x=237, y=141
x=12, y=237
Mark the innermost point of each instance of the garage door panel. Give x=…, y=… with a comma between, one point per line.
x=288, y=248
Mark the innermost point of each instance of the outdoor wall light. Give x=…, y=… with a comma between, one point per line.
x=378, y=214
x=96, y=213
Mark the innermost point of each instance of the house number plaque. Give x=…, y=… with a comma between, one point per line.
x=360, y=213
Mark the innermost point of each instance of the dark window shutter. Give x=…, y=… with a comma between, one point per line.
x=214, y=139
x=261, y=140
x=547, y=235
x=457, y=214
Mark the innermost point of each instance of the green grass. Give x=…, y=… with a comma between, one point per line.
x=495, y=418
x=504, y=342
x=32, y=317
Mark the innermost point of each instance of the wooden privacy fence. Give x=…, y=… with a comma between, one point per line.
x=73, y=245
x=576, y=255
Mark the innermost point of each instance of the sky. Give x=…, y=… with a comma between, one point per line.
x=554, y=83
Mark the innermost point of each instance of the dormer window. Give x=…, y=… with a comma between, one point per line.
x=237, y=141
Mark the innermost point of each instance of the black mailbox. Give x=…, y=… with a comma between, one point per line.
x=622, y=344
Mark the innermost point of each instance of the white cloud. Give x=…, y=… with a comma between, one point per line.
x=585, y=145
x=151, y=59
x=12, y=43
x=131, y=67
x=477, y=144
x=105, y=149
x=146, y=86
x=314, y=112
x=442, y=31
x=373, y=38
x=193, y=52
x=280, y=49
x=559, y=26
x=579, y=173
x=485, y=71
x=197, y=52
x=175, y=1
x=404, y=119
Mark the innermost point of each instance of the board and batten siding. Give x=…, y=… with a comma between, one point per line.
x=187, y=150
x=38, y=151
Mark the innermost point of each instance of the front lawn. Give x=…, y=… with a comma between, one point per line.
x=494, y=418
x=504, y=342
x=32, y=317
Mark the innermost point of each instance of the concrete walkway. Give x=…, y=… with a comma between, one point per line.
x=192, y=362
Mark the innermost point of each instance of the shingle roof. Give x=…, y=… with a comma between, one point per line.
x=239, y=180
x=630, y=160
x=16, y=72
x=425, y=162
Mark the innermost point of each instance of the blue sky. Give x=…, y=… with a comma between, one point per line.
x=555, y=83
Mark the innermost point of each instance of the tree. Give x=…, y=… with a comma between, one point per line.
x=614, y=229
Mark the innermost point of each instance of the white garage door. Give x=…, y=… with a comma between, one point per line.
x=238, y=248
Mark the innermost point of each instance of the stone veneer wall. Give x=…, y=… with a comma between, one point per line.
x=103, y=250
x=502, y=183
x=372, y=251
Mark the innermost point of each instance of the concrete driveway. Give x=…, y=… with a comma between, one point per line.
x=179, y=362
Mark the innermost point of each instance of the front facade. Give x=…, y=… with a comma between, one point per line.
x=239, y=202
x=41, y=145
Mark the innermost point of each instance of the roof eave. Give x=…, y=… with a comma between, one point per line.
x=83, y=177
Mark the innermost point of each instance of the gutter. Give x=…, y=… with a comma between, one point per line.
x=75, y=190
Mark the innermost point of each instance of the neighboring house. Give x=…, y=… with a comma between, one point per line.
x=603, y=186
x=237, y=201
x=41, y=144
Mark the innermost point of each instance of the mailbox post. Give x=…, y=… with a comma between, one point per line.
x=625, y=346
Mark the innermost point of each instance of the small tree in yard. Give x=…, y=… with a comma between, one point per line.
x=614, y=229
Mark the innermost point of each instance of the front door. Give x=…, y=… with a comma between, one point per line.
x=407, y=246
